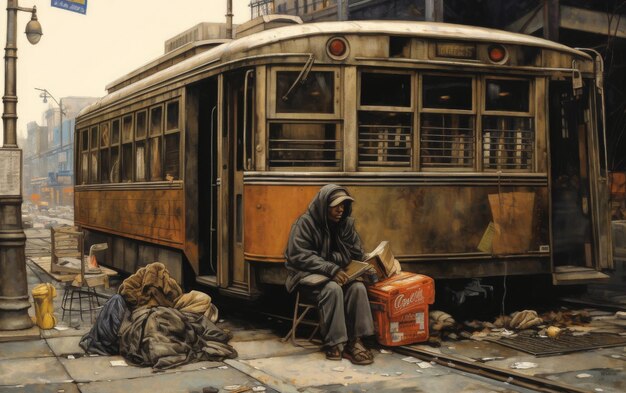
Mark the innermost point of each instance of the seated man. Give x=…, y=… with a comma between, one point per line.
x=323, y=241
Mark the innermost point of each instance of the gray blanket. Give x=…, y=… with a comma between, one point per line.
x=163, y=337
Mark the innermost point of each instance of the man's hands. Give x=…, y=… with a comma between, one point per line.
x=341, y=277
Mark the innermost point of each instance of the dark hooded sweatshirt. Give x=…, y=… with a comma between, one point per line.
x=319, y=246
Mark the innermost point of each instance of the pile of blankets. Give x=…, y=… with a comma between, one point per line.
x=151, y=322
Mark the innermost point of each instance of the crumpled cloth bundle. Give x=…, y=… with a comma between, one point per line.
x=103, y=337
x=198, y=303
x=164, y=337
x=150, y=286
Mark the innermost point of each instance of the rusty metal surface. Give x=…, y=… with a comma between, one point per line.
x=563, y=344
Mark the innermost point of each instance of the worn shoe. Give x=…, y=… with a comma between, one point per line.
x=333, y=353
x=358, y=354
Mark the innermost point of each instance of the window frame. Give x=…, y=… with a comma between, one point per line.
x=167, y=132
x=531, y=114
x=272, y=112
x=414, y=98
x=474, y=111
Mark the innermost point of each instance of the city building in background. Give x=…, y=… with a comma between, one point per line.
x=48, y=155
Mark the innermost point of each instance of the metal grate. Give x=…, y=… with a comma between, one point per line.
x=508, y=143
x=385, y=145
x=538, y=346
x=447, y=141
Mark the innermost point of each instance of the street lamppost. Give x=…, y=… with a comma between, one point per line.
x=44, y=95
x=14, y=302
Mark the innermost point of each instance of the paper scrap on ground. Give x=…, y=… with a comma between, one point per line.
x=411, y=359
x=61, y=328
x=339, y=369
x=424, y=365
x=584, y=375
x=118, y=363
x=523, y=365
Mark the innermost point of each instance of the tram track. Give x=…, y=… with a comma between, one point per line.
x=494, y=373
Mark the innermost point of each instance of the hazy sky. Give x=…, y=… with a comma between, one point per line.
x=79, y=55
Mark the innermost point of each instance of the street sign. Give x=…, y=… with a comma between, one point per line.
x=79, y=6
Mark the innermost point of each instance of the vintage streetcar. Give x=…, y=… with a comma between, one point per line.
x=475, y=152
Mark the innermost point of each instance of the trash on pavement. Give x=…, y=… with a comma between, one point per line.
x=339, y=369
x=118, y=363
x=523, y=365
x=424, y=365
x=258, y=388
x=583, y=375
x=411, y=359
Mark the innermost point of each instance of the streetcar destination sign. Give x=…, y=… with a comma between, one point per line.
x=79, y=6
x=456, y=50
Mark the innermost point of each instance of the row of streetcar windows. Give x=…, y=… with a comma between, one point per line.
x=136, y=147
x=453, y=131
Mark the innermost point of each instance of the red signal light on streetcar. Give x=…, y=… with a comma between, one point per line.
x=497, y=53
x=337, y=47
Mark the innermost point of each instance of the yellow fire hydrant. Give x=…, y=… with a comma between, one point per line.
x=43, y=295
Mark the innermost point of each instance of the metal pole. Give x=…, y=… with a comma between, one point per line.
x=14, y=303
x=229, y=18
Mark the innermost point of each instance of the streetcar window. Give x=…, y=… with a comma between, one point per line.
x=94, y=137
x=385, y=139
x=104, y=135
x=172, y=154
x=507, y=95
x=446, y=92
x=447, y=141
x=84, y=140
x=93, y=175
x=114, y=174
x=141, y=125
x=84, y=166
x=127, y=162
x=140, y=161
x=397, y=88
x=156, y=120
x=115, y=132
x=156, y=172
x=127, y=128
x=104, y=165
x=508, y=143
x=172, y=116
x=305, y=145
x=315, y=94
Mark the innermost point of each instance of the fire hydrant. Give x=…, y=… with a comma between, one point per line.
x=43, y=295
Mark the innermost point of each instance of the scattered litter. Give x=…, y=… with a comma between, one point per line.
x=553, y=331
x=506, y=332
x=118, y=363
x=616, y=356
x=61, y=328
x=339, y=369
x=424, y=365
x=411, y=359
x=71, y=357
x=419, y=371
x=490, y=358
x=583, y=375
x=93, y=355
x=258, y=388
x=599, y=390
x=523, y=365
x=223, y=367
x=398, y=372
x=385, y=375
x=202, y=368
x=385, y=351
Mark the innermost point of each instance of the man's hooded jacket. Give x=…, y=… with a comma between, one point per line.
x=317, y=246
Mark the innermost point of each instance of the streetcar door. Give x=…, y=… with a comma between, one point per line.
x=575, y=247
x=236, y=119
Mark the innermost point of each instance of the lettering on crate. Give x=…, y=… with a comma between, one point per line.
x=402, y=302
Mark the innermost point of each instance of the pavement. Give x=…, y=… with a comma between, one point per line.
x=54, y=362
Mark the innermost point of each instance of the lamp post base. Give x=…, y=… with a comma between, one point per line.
x=14, y=314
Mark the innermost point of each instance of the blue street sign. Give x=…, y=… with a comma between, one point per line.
x=79, y=6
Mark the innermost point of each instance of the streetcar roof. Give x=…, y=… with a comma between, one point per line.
x=238, y=47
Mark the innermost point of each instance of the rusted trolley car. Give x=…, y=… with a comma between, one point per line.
x=476, y=152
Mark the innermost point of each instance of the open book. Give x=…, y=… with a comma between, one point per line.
x=383, y=261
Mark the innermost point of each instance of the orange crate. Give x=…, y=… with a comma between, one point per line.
x=403, y=293
x=408, y=328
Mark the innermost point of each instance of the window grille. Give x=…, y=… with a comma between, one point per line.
x=385, y=139
x=305, y=145
x=508, y=143
x=447, y=141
